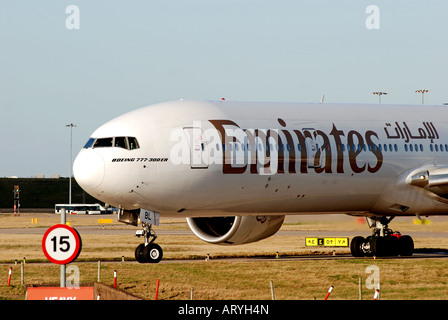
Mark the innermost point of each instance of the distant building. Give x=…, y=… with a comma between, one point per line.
x=41, y=192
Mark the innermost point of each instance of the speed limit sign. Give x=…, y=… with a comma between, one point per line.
x=61, y=244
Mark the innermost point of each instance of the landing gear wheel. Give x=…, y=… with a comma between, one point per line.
x=356, y=246
x=139, y=253
x=148, y=251
x=384, y=246
x=383, y=242
x=406, y=246
x=152, y=253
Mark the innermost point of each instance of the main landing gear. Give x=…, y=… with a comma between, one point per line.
x=383, y=241
x=148, y=252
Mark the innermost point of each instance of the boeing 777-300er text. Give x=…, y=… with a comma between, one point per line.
x=235, y=169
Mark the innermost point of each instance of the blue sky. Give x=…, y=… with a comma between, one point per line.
x=128, y=54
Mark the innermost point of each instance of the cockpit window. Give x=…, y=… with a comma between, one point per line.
x=103, y=143
x=133, y=143
x=128, y=143
x=121, y=142
x=89, y=143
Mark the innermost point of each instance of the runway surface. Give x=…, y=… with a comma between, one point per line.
x=131, y=231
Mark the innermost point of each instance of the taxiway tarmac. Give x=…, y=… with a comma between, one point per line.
x=131, y=232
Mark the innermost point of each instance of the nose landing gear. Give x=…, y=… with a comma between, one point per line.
x=383, y=241
x=148, y=252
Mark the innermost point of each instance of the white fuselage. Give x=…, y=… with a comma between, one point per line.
x=247, y=158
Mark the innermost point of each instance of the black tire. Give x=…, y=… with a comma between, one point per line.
x=385, y=246
x=356, y=246
x=139, y=253
x=152, y=253
x=393, y=246
x=406, y=245
x=376, y=246
x=379, y=247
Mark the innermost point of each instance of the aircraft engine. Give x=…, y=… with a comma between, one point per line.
x=235, y=230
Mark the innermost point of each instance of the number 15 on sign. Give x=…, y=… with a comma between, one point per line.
x=61, y=244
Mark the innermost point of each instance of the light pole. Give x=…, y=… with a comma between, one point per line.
x=423, y=91
x=379, y=94
x=71, y=125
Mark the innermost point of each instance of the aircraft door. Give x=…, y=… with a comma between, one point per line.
x=198, y=147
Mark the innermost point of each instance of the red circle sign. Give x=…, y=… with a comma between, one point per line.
x=61, y=244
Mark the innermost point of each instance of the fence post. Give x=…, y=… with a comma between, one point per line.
x=9, y=276
x=376, y=296
x=99, y=271
x=157, y=289
x=272, y=290
x=22, y=273
x=328, y=293
x=360, y=288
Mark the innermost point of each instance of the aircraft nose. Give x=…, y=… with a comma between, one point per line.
x=88, y=169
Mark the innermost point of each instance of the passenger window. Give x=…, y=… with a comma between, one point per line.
x=89, y=143
x=133, y=143
x=103, y=143
x=121, y=142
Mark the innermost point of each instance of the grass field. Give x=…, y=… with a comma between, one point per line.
x=222, y=279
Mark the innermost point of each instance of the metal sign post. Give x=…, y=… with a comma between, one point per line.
x=63, y=266
x=61, y=245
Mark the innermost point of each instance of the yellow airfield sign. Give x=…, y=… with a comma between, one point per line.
x=326, y=242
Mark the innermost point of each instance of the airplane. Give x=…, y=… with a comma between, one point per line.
x=235, y=169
